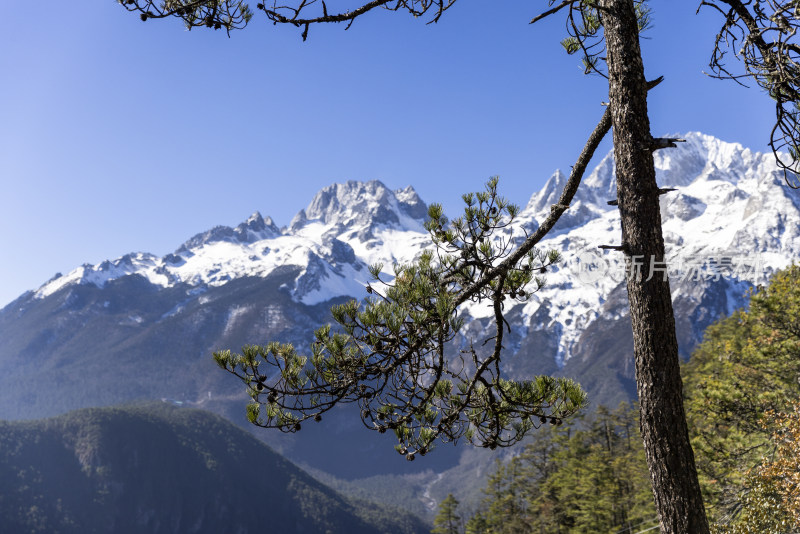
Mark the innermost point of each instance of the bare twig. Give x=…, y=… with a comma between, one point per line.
x=762, y=34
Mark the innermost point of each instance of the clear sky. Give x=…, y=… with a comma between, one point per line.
x=118, y=135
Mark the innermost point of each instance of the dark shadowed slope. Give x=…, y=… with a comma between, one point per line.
x=157, y=468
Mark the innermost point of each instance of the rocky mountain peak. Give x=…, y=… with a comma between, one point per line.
x=255, y=228
x=702, y=157
x=410, y=203
x=549, y=194
x=364, y=204
x=596, y=189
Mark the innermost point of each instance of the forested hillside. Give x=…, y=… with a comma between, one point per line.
x=586, y=476
x=158, y=468
x=742, y=388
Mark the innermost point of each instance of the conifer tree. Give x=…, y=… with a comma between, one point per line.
x=392, y=343
x=447, y=521
x=507, y=494
x=589, y=475
x=745, y=369
x=476, y=524
x=770, y=495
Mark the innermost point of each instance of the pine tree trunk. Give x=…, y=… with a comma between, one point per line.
x=663, y=422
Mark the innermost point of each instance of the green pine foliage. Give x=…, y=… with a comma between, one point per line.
x=447, y=521
x=771, y=496
x=395, y=353
x=589, y=476
x=746, y=368
x=584, y=30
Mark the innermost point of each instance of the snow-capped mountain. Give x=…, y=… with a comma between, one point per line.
x=343, y=228
x=731, y=204
x=142, y=326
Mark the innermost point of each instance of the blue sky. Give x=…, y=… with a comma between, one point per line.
x=118, y=135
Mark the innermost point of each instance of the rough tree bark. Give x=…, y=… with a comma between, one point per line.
x=663, y=422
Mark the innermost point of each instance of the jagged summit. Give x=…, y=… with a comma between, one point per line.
x=255, y=228
x=701, y=158
x=322, y=240
x=363, y=204
x=548, y=195
x=411, y=204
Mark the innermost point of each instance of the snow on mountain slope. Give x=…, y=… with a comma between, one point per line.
x=345, y=228
x=731, y=218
